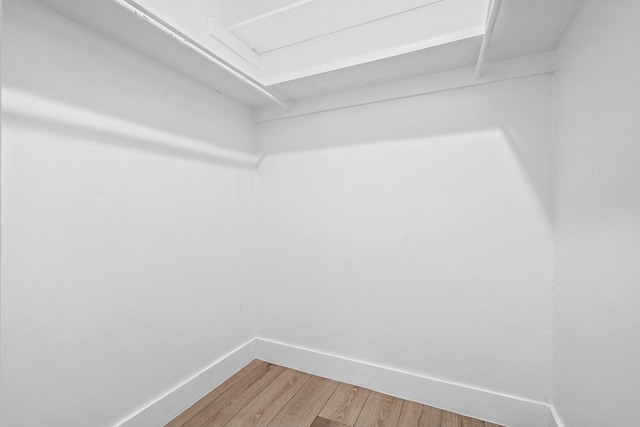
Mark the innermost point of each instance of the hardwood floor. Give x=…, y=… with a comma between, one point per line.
x=266, y=395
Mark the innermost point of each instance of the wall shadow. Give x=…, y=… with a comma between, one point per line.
x=115, y=133
x=519, y=109
x=55, y=66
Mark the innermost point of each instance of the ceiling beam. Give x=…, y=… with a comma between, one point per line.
x=491, y=24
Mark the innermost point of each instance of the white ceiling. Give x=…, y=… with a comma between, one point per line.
x=459, y=54
x=432, y=25
x=304, y=20
x=526, y=27
x=231, y=12
x=304, y=48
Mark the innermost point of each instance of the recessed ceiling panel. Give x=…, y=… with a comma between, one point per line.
x=426, y=27
x=459, y=54
x=308, y=19
x=230, y=12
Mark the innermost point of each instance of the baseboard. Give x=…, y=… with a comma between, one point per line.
x=503, y=409
x=169, y=405
x=499, y=408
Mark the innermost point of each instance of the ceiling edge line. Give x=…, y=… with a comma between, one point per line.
x=491, y=24
x=374, y=56
x=522, y=67
x=193, y=45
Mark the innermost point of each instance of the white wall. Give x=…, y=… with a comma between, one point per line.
x=415, y=234
x=127, y=248
x=597, y=316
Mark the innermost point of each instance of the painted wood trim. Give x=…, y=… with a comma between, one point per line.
x=230, y=40
x=491, y=24
x=170, y=404
x=543, y=63
x=475, y=402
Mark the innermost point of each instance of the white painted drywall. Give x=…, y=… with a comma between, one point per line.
x=415, y=234
x=127, y=247
x=597, y=168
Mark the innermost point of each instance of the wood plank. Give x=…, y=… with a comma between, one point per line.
x=345, y=404
x=471, y=422
x=221, y=410
x=380, y=410
x=262, y=394
x=266, y=405
x=304, y=407
x=191, y=411
x=417, y=415
x=323, y=422
x=449, y=419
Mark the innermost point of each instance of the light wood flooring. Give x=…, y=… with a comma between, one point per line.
x=267, y=395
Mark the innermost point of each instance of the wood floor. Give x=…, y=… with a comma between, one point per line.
x=267, y=395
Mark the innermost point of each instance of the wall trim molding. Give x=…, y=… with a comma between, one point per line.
x=167, y=406
x=476, y=402
x=526, y=66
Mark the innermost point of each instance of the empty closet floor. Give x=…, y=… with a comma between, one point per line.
x=267, y=395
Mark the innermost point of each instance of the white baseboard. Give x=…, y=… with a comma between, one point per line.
x=503, y=409
x=499, y=408
x=169, y=405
